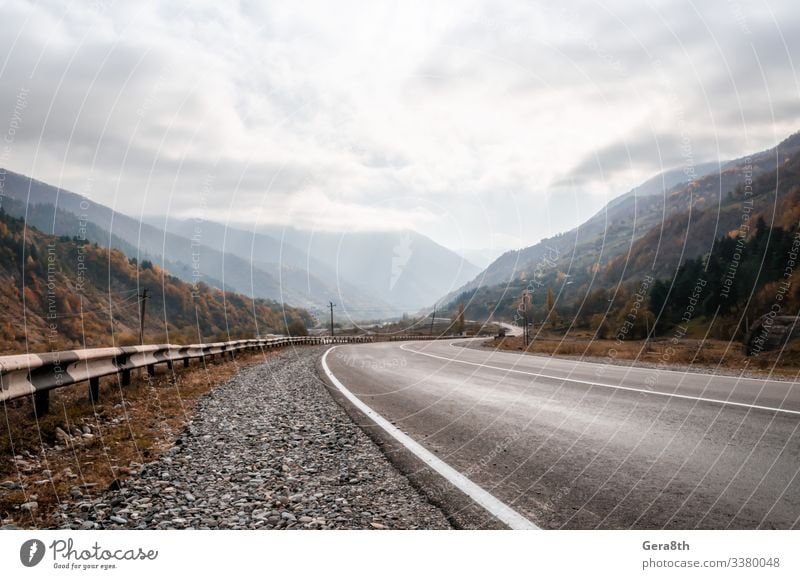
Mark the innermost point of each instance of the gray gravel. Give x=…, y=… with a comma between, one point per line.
x=269, y=449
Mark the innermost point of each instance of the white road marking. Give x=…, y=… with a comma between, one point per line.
x=459, y=344
x=602, y=385
x=492, y=504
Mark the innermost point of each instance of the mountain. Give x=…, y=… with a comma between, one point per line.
x=60, y=293
x=716, y=205
x=368, y=275
x=403, y=268
x=375, y=274
x=293, y=266
x=650, y=230
x=191, y=258
x=57, y=221
x=606, y=234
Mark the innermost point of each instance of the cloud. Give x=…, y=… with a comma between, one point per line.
x=509, y=120
x=650, y=154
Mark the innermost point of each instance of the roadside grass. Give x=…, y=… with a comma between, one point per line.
x=82, y=448
x=707, y=354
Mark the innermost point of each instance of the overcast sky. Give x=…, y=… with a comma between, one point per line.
x=476, y=123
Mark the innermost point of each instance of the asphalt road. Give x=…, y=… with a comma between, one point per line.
x=578, y=445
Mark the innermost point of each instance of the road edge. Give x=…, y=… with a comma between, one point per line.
x=463, y=502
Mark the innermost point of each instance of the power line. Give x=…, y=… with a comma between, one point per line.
x=526, y=298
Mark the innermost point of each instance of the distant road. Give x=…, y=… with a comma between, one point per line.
x=570, y=444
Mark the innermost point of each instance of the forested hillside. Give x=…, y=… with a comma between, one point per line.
x=744, y=278
x=60, y=292
x=733, y=232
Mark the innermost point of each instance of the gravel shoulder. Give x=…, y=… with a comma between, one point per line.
x=268, y=449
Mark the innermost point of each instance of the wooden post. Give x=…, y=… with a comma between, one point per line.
x=94, y=389
x=41, y=402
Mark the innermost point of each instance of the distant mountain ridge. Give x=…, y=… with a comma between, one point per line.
x=368, y=275
x=375, y=274
x=292, y=267
x=403, y=268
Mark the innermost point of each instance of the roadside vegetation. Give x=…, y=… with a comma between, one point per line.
x=81, y=449
x=709, y=354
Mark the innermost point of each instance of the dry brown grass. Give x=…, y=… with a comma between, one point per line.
x=706, y=353
x=131, y=425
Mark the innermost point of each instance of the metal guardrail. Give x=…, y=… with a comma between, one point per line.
x=36, y=374
x=402, y=338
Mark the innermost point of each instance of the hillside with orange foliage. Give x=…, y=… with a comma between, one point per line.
x=61, y=293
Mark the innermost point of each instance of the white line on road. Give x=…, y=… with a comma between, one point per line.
x=492, y=504
x=602, y=385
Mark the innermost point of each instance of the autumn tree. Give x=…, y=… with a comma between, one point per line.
x=550, y=306
x=297, y=328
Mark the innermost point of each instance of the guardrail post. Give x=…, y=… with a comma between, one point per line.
x=41, y=402
x=169, y=364
x=126, y=377
x=151, y=369
x=94, y=389
x=186, y=362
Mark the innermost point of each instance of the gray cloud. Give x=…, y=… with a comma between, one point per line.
x=651, y=154
x=514, y=119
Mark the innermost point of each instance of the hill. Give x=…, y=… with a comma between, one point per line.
x=64, y=292
x=368, y=275
x=405, y=269
x=594, y=269
x=613, y=231
x=296, y=268
x=374, y=273
x=61, y=212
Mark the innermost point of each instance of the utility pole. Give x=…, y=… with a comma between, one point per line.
x=331, y=306
x=433, y=318
x=142, y=302
x=526, y=296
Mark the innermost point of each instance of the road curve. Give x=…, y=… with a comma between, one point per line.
x=578, y=445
